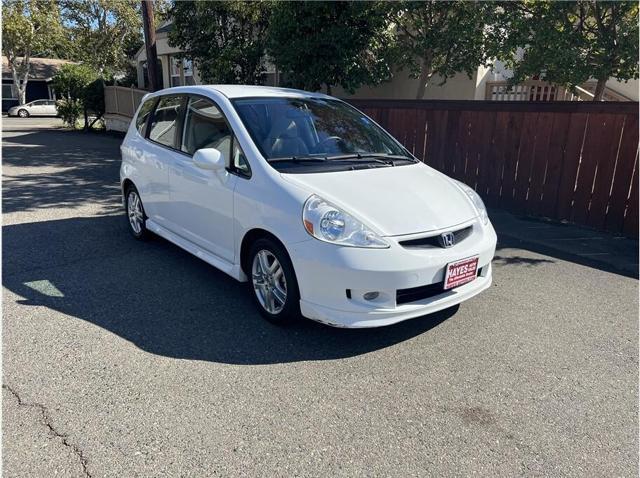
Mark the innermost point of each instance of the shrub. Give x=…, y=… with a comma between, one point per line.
x=70, y=111
x=82, y=93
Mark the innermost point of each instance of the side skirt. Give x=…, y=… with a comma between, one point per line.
x=227, y=267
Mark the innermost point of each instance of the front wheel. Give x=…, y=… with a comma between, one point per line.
x=23, y=113
x=273, y=283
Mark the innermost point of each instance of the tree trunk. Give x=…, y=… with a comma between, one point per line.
x=425, y=75
x=328, y=89
x=600, y=86
x=22, y=94
x=150, y=43
x=20, y=85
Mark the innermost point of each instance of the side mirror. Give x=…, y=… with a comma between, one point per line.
x=209, y=158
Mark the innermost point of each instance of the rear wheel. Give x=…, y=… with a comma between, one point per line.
x=135, y=214
x=273, y=283
x=23, y=113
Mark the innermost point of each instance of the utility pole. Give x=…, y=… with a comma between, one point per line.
x=150, y=44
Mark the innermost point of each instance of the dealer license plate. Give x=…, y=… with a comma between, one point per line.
x=461, y=272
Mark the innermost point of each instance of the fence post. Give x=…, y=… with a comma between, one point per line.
x=115, y=95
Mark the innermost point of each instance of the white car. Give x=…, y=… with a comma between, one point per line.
x=35, y=108
x=306, y=198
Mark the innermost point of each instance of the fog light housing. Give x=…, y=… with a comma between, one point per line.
x=370, y=295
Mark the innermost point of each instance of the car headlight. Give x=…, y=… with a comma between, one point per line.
x=328, y=223
x=477, y=202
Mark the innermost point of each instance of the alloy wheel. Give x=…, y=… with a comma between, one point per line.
x=134, y=211
x=269, y=281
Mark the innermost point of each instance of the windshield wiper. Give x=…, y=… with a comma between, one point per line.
x=395, y=156
x=371, y=157
x=298, y=159
x=367, y=158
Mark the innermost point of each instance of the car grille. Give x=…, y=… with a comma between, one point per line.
x=405, y=296
x=435, y=241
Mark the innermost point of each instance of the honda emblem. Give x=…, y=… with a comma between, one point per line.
x=447, y=239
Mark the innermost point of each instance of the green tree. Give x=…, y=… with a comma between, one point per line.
x=441, y=38
x=225, y=40
x=28, y=27
x=81, y=92
x=103, y=33
x=568, y=43
x=162, y=10
x=331, y=43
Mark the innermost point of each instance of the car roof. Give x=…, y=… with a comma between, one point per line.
x=248, y=91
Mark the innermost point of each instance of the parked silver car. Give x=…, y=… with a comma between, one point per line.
x=35, y=108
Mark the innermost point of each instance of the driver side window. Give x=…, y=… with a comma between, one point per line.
x=206, y=127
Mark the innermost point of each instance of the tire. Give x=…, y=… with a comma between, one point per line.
x=23, y=113
x=266, y=289
x=136, y=216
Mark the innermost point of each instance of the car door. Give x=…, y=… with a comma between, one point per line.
x=202, y=200
x=50, y=108
x=33, y=108
x=38, y=108
x=158, y=150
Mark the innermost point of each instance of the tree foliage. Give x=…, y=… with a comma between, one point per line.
x=29, y=27
x=331, y=43
x=81, y=92
x=568, y=43
x=103, y=33
x=441, y=38
x=225, y=40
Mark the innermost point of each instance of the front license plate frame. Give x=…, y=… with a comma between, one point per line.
x=456, y=274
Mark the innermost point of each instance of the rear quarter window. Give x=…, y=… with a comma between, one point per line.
x=143, y=115
x=164, y=123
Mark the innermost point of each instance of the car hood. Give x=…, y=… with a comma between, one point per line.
x=394, y=200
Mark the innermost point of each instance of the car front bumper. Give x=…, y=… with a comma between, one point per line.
x=333, y=279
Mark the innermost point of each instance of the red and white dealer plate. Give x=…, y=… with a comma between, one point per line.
x=461, y=272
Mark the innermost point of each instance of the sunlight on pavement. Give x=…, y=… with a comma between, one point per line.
x=45, y=287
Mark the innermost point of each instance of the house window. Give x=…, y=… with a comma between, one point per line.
x=8, y=92
x=187, y=68
x=174, y=68
x=181, y=71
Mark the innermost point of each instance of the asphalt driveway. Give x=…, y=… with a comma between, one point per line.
x=136, y=359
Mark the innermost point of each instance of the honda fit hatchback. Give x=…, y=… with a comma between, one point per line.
x=304, y=197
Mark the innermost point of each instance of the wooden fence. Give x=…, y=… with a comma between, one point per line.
x=537, y=90
x=122, y=101
x=572, y=161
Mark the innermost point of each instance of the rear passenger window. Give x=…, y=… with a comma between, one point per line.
x=165, y=121
x=206, y=127
x=143, y=115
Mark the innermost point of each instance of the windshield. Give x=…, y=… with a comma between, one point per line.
x=314, y=129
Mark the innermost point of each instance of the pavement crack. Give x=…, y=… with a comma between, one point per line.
x=46, y=419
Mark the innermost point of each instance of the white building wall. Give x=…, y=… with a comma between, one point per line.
x=627, y=88
x=401, y=86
